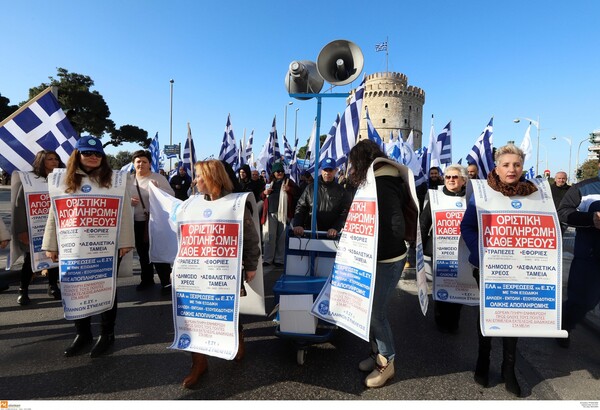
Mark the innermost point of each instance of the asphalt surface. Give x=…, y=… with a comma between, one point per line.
x=429, y=365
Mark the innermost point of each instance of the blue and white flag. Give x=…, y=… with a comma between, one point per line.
x=175, y=170
x=274, y=155
x=372, y=133
x=189, y=154
x=347, y=130
x=329, y=149
x=526, y=144
x=249, y=155
x=433, y=152
x=155, y=154
x=393, y=148
x=381, y=46
x=413, y=160
x=288, y=152
x=311, y=148
x=482, y=152
x=229, y=151
x=444, y=141
x=530, y=174
x=40, y=124
x=128, y=168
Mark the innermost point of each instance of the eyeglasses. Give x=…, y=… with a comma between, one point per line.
x=451, y=176
x=276, y=172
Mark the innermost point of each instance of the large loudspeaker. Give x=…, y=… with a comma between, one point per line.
x=303, y=78
x=340, y=62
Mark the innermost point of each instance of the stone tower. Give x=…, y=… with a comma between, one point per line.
x=393, y=106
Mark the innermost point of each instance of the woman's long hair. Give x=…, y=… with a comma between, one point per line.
x=39, y=167
x=213, y=173
x=101, y=175
x=360, y=158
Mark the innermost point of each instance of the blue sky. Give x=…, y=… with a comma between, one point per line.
x=474, y=59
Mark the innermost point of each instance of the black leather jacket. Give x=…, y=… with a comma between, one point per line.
x=334, y=204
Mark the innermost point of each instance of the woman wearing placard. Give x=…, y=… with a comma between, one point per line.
x=446, y=314
x=214, y=182
x=44, y=163
x=88, y=170
x=507, y=179
x=395, y=209
x=140, y=200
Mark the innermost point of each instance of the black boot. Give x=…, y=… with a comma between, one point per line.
x=482, y=368
x=23, y=298
x=105, y=341
x=54, y=292
x=80, y=341
x=509, y=354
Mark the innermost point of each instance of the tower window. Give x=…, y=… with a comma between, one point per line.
x=383, y=121
x=386, y=105
x=405, y=121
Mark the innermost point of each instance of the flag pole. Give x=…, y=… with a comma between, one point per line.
x=386, y=54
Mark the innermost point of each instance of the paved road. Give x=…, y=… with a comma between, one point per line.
x=429, y=365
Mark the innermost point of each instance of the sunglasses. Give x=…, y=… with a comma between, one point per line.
x=451, y=176
x=88, y=154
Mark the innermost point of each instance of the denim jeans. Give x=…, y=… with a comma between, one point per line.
x=388, y=275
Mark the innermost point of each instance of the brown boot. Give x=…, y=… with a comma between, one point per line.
x=241, y=348
x=199, y=366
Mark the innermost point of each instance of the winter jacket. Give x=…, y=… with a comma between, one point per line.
x=333, y=206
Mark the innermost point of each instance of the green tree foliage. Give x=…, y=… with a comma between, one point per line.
x=302, y=150
x=130, y=133
x=588, y=169
x=87, y=111
x=5, y=108
x=119, y=160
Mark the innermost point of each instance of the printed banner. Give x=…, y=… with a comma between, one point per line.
x=346, y=299
x=164, y=249
x=37, y=204
x=207, y=275
x=446, y=214
x=87, y=228
x=520, y=253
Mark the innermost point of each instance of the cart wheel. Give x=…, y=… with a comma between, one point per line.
x=301, y=356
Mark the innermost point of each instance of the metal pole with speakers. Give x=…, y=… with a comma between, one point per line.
x=339, y=63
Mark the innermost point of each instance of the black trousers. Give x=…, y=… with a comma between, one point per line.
x=107, y=319
x=142, y=247
x=27, y=273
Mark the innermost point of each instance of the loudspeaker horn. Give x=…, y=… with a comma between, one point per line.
x=302, y=78
x=340, y=62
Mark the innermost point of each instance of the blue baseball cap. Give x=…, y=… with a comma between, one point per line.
x=327, y=163
x=89, y=143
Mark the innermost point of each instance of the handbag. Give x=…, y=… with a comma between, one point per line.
x=146, y=215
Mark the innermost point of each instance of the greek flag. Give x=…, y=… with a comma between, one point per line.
x=228, y=151
x=526, y=144
x=39, y=124
x=329, y=149
x=155, y=154
x=444, y=141
x=248, y=153
x=274, y=155
x=482, y=152
x=347, y=130
x=310, y=150
x=433, y=152
x=530, y=174
x=381, y=46
x=372, y=132
x=189, y=154
x=393, y=148
x=287, y=150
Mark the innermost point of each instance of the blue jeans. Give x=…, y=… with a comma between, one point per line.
x=388, y=275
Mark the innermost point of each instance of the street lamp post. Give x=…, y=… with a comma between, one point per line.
x=171, y=124
x=537, y=126
x=568, y=139
x=285, y=119
x=296, y=126
x=578, y=148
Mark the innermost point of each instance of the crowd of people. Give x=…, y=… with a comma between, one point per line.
x=286, y=207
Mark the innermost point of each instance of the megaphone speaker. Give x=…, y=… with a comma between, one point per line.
x=340, y=62
x=302, y=78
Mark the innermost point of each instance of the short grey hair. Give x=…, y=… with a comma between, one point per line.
x=462, y=171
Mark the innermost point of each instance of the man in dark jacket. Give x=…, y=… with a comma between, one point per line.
x=181, y=184
x=333, y=203
x=580, y=208
x=559, y=188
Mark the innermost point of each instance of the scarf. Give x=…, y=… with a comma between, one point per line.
x=282, y=209
x=521, y=188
